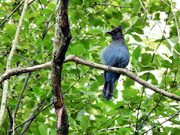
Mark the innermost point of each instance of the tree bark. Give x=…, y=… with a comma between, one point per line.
x=61, y=43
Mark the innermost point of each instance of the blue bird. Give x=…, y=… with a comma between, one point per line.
x=116, y=55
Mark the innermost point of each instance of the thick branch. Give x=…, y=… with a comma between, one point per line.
x=61, y=43
x=94, y=65
x=17, y=71
x=125, y=72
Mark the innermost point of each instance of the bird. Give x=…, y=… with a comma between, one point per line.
x=116, y=55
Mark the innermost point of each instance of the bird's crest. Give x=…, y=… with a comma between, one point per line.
x=117, y=29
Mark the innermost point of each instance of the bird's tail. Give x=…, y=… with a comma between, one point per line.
x=108, y=90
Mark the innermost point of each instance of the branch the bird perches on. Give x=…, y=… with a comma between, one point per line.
x=77, y=60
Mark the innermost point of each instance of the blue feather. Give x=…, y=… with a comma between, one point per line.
x=116, y=55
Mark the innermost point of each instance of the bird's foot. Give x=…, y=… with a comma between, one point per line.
x=127, y=69
x=109, y=67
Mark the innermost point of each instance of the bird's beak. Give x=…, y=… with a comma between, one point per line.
x=109, y=32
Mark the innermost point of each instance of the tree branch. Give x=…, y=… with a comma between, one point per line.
x=106, y=4
x=14, y=12
x=61, y=43
x=8, y=66
x=138, y=109
x=98, y=66
x=33, y=117
x=175, y=21
x=17, y=71
x=103, y=124
x=177, y=113
x=160, y=30
x=19, y=101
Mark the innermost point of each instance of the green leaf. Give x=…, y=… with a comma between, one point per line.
x=138, y=30
x=129, y=94
x=85, y=42
x=44, y=2
x=38, y=56
x=176, y=60
x=174, y=131
x=10, y=30
x=157, y=15
x=146, y=59
x=177, y=48
x=137, y=52
x=94, y=31
x=52, y=6
x=150, y=77
x=128, y=82
x=46, y=11
x=137, y=38
x=40, y=20
x=85, y=122
x=77, y=49
x=94, y=48
x=43, y=129
x=26, y=24
x=80, y=114
x=117, y=15
x=166, y=63
x=39, y=44
x=13, y=102
x=84, y=18
x=158, y=60
x=32, y=15
x=136, y=7
x=135, y=19
x=36, y=89
x=174, y=39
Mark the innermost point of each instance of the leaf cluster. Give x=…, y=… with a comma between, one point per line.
x=133, y=106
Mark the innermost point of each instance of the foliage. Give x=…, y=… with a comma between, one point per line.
x=133, y=107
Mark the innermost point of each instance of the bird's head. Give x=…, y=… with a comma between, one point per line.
x=116, y=33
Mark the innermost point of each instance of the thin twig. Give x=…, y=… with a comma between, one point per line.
x=170, y=5
x=8, y=66
x=11, y=13
x=112, y=5
x=19, y=101
x=102, y=124
x=177, y=113
x=14, y=12
x=114, y=128
x=113, y=121
x=26, y=126
x=10, y=119
x=22, y=92
x=76, y=81
x=32, y=117
x=175, y=19
x=45, y=31
x=160, y=29
x=138, y=109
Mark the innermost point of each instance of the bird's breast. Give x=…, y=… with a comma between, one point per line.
x=116, y=55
